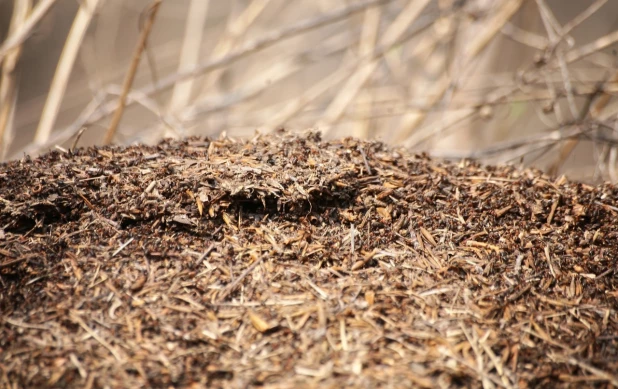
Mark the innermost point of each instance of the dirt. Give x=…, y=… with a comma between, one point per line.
x=288, y=261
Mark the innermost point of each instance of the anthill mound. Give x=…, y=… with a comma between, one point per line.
x=292, y=262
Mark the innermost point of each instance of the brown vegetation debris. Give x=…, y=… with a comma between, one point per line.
x=289, y=260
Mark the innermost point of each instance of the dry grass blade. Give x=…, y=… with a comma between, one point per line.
x=153, y=9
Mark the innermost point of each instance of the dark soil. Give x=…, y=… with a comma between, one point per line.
x=292, y=262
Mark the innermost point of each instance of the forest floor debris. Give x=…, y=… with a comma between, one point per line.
x=291, y=261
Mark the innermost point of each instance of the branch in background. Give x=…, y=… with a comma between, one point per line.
x=369, y=39
x=63, y=70
x=19, y=36
x=494, y=25
x=594, y=111
x=347, y=67
x=234, y=32
x=583, y=16
x=556, y=34
x=130, y=76
x=8, y=92
x=358, y=79
x=592, y=47
x=399, y=99
x=190, y=53
x=569, y=132
x=259, y=44
x=408, y=130
x=250, y=47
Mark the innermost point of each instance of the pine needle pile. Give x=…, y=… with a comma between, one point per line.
x=286, y=261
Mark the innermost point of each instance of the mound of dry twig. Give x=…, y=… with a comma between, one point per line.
x=293, y=261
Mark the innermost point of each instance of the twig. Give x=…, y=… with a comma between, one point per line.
x=523, y=36
x=555, y=33
x=586, y=110
x=13, y=261
x=362, y=151
x=586, y=367
x=130, y=76
x=493, y=26
x=264, y=42
x=575, y=132
x=579, y=19
x=592, y=47
x=367, y=44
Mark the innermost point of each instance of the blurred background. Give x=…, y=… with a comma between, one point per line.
x=525, y=82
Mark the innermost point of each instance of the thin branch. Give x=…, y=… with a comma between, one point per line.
x=525, y=37
x=234, y=32
x=555, y=33
x=592, y=47
x=493, y=26
x=588, y=110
